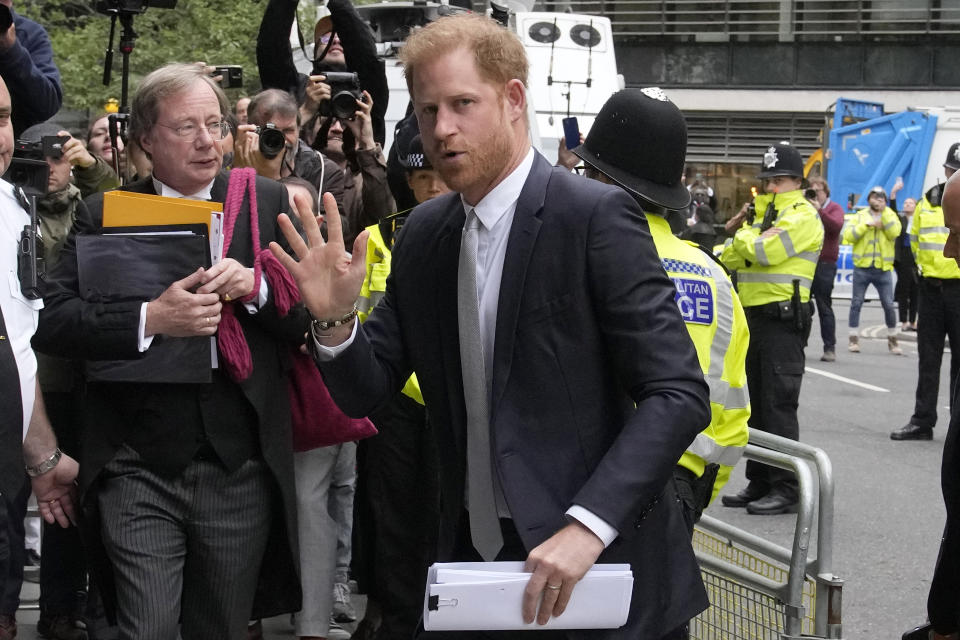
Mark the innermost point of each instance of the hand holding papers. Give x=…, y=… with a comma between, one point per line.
x=488, y=596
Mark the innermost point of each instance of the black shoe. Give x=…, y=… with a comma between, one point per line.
x=772, y=504
x=912, y=431
x=746, y=496
x=62, y=627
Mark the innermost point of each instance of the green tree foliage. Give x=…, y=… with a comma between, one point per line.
x=219, y=32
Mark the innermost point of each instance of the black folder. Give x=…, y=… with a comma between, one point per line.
x=139, y=264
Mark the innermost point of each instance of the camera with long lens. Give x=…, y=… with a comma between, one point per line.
x=272, y=140
x=344, y=93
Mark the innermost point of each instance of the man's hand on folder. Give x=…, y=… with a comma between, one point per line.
x=180, y=313
x=229, y=279
x=557, y=566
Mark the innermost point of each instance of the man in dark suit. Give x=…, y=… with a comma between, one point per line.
x=186, y=484
x=551, y=355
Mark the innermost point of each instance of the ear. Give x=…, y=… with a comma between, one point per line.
x=146, y=143
x=516, y=99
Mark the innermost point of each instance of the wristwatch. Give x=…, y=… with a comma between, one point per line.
x=45, y=465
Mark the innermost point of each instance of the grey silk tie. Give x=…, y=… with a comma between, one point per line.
x=484, y=523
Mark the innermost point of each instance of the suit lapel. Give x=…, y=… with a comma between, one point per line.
x=445, y=301
x=523, y=237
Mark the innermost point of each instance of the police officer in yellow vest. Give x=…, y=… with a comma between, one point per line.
x=398, y=487
x=705, y=295
x=939, y=312
x=873, y=232
x=774, y=253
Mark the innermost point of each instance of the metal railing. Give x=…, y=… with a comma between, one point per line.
x=783, y=20
x=759, y=589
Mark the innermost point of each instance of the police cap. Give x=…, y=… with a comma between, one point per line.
x=639, y=140
x=781, y=159
x=953, y=157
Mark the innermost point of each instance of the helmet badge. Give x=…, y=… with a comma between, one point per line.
x=656, y=93
x=770, y=158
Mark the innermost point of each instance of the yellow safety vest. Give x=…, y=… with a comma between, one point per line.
x=767, y=264
x=718, y=328
x=374, y=286
x=873, y=247
x=928, y=235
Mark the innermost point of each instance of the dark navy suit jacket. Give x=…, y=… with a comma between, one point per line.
x=596, y=387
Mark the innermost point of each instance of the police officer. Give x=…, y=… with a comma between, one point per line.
x=939, y=312
x=873, y=232
x=775, y=254
x=705, y=295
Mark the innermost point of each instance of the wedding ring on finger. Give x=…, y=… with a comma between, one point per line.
x=226, y=297
x=554, y=587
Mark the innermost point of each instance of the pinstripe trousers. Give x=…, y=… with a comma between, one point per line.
x=185, y=549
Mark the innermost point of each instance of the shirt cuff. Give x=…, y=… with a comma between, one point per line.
x=262, y=297
x=597, y=525
x=325, y=354
x=143, y=342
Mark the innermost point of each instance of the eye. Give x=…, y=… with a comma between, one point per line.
x=186, y=130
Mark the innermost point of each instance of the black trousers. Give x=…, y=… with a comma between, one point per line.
x=907, y=292
x=775, y=364
x=939, y=318
x=14, y=509
x=397, y=515
x=63, y=572
x=822, y=293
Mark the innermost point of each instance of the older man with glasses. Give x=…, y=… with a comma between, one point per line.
x=190, y=484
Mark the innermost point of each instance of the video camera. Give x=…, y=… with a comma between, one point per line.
x=272, y=141
x=344, y=93
x=30, y=176
x=108, y=7
x=46, y=147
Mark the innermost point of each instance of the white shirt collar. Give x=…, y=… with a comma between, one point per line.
x=168, y=192
x=495, y=204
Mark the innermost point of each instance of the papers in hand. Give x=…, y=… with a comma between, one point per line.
x=488, y=596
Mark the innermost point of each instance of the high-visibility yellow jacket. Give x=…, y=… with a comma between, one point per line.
x=873, y=246
x=718, y=328
x=928, y=235
x=767, y=263
x=374, y=286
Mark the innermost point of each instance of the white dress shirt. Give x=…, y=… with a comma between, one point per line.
x=495, y=212
x=144, y=341
x=20, y=314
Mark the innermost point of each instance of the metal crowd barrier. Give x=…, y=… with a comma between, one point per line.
x=760, y=590
x=31, y=574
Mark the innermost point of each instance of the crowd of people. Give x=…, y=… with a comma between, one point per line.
x=436, y=353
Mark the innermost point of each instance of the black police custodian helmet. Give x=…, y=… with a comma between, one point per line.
x=639, y=140
x=415, y=158
x=781, y=159
x=953, y=157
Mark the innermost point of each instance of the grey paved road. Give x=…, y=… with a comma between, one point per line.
x=889, y=511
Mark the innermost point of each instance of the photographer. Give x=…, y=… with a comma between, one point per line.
x=26, y=64
x=270, y=145
x=350, y=143
x=352, y=48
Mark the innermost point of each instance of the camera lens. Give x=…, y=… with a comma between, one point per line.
x=272, y=142
x=344, y=105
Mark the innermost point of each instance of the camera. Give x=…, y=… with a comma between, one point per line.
x=47, y=147
x=272, y=140
x=109, y=7
x=31, y=175
x=232, y=75
x=344, y=93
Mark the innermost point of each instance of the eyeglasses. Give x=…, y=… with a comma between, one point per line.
x=217, y=130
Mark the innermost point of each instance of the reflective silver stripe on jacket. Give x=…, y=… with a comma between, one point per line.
x=809, y=256
x=890, y=224
x=761, y=252
x=926, y=230
x=755, y=277
x=708, y=449
x=722, y=337
x=366, y=304
x=931, y=246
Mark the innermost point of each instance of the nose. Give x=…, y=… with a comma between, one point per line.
x=445, y=124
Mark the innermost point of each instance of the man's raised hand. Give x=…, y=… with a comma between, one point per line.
x=328, y=277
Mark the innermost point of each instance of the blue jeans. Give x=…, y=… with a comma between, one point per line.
x=883, y=282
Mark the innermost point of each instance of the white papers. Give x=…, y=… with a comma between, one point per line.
x=488, y=596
